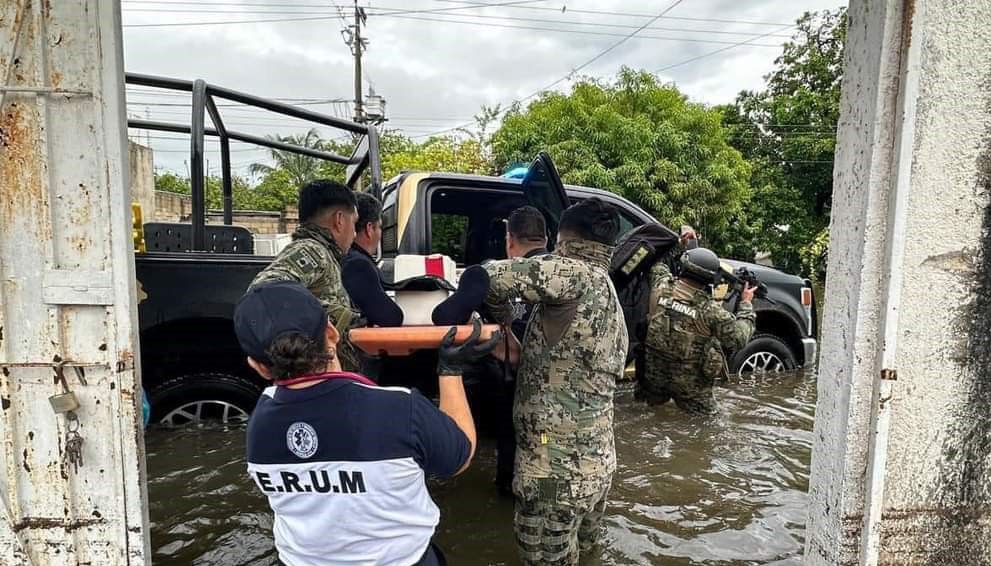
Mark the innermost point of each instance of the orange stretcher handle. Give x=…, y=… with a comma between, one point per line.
x=404, y=340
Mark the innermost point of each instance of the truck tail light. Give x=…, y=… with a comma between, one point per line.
x=807, y=305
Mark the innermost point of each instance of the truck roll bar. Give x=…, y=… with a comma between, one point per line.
x=204, y=95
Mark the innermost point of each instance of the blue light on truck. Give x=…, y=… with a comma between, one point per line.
x=517, y=173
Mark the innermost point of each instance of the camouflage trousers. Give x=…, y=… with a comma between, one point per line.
x=690, y=390
x=552, y=530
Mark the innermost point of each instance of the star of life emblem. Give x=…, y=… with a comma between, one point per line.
x=519, y=310
x=302, y=440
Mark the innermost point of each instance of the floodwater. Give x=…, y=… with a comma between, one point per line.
x=727, y=491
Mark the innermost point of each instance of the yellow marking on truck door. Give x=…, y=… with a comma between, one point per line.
x=407, y=201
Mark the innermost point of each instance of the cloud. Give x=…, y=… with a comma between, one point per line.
x=437, y=74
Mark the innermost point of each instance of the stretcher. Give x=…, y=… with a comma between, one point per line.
x=404, y=340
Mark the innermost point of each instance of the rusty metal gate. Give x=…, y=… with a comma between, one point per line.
x=72, y=461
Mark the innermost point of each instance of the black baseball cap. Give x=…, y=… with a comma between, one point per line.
x=271, y=310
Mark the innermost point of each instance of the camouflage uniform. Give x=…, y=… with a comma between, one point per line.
x=686, y=336
x=574, y=350
x=314, y=259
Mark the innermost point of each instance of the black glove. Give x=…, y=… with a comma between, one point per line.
x=451, y=359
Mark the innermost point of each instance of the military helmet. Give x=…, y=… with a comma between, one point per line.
x=701, y=265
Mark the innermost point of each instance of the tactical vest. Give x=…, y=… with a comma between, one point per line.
x=679, y=334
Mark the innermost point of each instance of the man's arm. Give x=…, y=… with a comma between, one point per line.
x=546, y=279
x=733, y=332
x=303, y=261
x=444, y=438
x=364, y=286
x=454, y=403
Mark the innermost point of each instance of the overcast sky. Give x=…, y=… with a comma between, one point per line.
x=436, y=62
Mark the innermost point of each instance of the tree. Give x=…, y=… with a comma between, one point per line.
x=171, y=183
x=245, y=197
x=300, y=168
x=640, y=139
x=788, y=132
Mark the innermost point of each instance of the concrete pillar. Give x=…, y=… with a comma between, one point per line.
x=901, y=466
x=68, y=318
x=142, y=175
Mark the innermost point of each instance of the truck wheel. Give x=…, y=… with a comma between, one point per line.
x=765, y=353
x=204, y=397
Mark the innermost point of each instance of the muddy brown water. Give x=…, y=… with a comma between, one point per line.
x=728, y=491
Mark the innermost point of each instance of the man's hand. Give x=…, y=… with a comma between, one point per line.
x=747, y=295
x=514, y=350
x=451, y=359
x=689, y=239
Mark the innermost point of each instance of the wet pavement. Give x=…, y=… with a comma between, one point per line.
x=727, y=491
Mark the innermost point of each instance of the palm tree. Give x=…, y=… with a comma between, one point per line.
x=300, y=168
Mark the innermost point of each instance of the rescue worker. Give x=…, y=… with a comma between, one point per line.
x=342, y=461
x=526, y=237
x=573, y=352
x=327, y=215
x=688, y=332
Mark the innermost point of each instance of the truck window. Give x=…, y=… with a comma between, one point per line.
x=468, y=225
x=447, y=235
x=626, y=223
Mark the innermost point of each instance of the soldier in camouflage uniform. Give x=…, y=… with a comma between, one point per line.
x=573, y=352
x=688, y=333
x=327, y=215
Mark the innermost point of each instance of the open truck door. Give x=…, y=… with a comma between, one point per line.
x=544, y=191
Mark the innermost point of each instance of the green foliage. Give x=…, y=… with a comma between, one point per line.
x=172, y=183
x=279, y=185
x=640, y=139
x=447, y=235
x=245, y=197
x=300, y=168
x=815, y=255
x=436, y=154
x=787, y=131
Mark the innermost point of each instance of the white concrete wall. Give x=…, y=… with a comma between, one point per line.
x=900, y=467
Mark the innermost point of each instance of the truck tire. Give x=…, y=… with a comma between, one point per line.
x=203, y=397
x=764, y=353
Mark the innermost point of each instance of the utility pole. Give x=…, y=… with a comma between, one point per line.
x=357, y=45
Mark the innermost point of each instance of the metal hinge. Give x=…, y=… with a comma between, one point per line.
x=889, y=374
x=64, y=287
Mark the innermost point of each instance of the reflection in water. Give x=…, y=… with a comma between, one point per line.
x=688, y=490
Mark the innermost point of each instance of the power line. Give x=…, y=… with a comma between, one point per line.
x=626, y=14
x=230, y=22
x=718, y=51
x=579, y=23
x=277, y=20
x=275, y=8
x=490, y=25
x=400, y=13
x=576, y=31
x=579, y=67
x=465, y=3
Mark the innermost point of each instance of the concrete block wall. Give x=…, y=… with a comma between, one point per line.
x=901, y=467
x=174, y=207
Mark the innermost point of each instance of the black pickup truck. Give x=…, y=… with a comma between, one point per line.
x=193, y=274
x=463, y=216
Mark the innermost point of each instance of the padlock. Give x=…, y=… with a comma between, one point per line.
x=64, y=402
